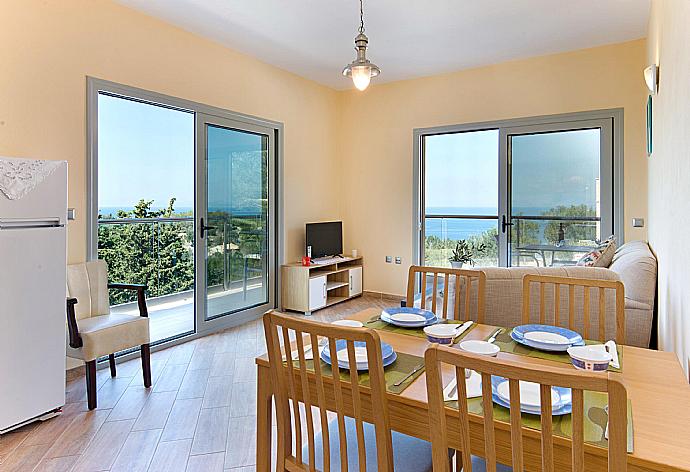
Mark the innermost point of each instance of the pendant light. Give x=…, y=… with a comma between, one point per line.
x=361, y=70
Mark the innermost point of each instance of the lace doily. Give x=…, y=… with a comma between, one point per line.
x=20, y=176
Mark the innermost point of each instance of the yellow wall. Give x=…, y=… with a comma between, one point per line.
x=376, y=136
x=669, y=171
x=47, y=48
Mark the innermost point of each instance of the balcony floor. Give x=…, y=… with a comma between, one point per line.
x=173, y=315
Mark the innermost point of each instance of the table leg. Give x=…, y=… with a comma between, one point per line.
x=264, y=419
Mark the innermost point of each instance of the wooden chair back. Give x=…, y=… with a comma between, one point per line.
x=288, y=339
x=462, y=279
x=546, y=376
x=600, y=287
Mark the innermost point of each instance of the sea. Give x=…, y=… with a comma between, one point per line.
x=455, y=228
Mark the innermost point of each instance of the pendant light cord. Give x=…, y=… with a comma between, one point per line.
x=361, y=17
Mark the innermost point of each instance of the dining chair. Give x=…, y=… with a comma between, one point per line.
x=437, y=282
x=477, y=433
x=94, y=332
x=356, y=439
x=580, y=295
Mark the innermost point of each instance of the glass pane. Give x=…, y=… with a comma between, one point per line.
x=145, y=214
x=556, y=211
x=442, y=235
x=461, y=178
x=237, y=197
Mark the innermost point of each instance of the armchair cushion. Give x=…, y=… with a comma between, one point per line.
x=88, y=283
x=106, y=334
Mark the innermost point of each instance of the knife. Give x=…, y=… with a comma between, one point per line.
x=414, y=371
x=493, y=336
x=613, y=351
x=450, y=390
x=462, y=328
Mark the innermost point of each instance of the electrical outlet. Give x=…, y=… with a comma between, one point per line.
x=638, y=222
x=398, y=260
x=389, y=259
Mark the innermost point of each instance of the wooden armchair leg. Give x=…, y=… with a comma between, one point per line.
x=146, y=364
x=91, y=383
x=111, y=361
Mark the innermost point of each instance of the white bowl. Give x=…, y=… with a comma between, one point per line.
x=441, y=333
x=480, y=347
x=349, y=323
x=594, y=357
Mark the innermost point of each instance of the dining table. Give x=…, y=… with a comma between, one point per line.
x=657, y=390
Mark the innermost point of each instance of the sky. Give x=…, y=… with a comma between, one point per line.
x=147, y=151
x=548, y=170
x=144, y=151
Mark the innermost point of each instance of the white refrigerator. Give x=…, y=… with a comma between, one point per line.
x=33, y=257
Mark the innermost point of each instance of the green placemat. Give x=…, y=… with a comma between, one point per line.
x=376, y=323
x=506, y=343
x=595, y=418
x=403, y=366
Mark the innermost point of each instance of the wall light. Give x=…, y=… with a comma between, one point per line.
x=651, y=78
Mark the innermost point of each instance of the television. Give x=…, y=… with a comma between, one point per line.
x=325, y=239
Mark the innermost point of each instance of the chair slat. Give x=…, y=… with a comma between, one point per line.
x=456, y=311
x=546, y=429
x=306, y=399
x=468, y=296
x=323, y=413
x=433, y=299
x=339, y=406
x=422, y=298
x=542, y=305
x=291, y=388
x=602, y=313
x=571, y=307
x=578, y=431
x=586, y=319
x=357, y=404
x=489, y=435
x=515, y=424
x=446, y=289
x=465, y=451
x=557, y=304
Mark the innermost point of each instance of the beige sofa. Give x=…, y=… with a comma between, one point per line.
x=633, y=264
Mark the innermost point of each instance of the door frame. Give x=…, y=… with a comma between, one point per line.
x=95, y=86
x=616, y=115
x=204, y=325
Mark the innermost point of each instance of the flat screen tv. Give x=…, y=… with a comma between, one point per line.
x=325, y=239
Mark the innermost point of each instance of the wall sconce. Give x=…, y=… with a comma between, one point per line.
x=651, y=78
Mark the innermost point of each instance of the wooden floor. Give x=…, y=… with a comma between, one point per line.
x=198, y=416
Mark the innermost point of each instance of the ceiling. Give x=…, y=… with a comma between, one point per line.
x=314, y=38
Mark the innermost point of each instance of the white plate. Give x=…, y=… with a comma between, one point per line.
x=530, y=396
x=480, y=347
x=349, y=323
x=546, y=338
x=408, y=318
x=360, y=356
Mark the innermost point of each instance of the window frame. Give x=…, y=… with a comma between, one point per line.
x=506, y=129
x=94, y=87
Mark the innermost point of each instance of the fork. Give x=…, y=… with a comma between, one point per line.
x=414, y=371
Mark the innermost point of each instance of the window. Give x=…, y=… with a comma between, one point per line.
x=183, y=198
x=527, y=192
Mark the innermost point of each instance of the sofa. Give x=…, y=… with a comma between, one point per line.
x=633, y=264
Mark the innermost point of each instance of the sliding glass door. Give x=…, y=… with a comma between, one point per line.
x=517, y=193
x=236, y=218
x=559, y=198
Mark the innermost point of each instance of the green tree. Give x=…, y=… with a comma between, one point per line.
x=573, y=230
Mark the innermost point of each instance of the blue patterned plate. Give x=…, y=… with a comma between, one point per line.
x=563, y=406
x=388, y=315
x=544, y=346
x=388, y=354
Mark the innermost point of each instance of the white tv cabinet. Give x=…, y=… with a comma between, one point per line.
x=310, y=288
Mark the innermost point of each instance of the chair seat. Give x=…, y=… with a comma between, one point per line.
x=409, y=453
x=479, y=465
x=106, y=334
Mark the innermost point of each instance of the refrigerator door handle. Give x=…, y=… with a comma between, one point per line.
x=19, y=223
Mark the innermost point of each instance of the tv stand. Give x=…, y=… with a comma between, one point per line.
x=310, y=288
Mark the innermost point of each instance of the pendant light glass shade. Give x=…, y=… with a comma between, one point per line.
x=361, y=70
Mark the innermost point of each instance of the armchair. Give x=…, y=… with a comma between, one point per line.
x=93, y=332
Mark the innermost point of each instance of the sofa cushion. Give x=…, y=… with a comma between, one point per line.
x=601, y=256
x=637, y=267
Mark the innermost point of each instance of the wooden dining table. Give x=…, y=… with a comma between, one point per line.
x=656, y=385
